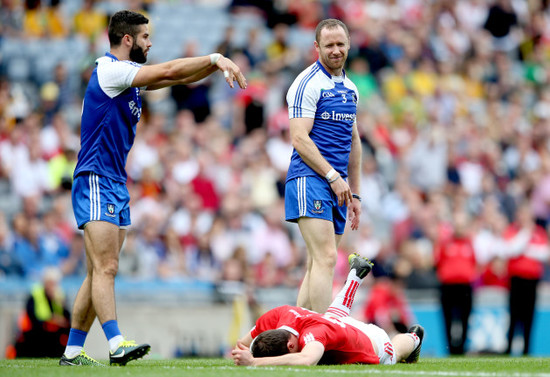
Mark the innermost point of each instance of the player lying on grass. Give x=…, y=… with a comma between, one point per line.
x=289, y=335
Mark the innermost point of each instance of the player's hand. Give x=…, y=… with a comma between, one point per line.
x=354, y=214
x=241, y=355
x=231, y=72
x=342, y=191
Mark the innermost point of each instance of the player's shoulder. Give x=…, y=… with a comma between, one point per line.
x=308, y=76
x=110, y=61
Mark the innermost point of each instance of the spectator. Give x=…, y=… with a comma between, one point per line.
x=456, y=268
x=387, y=306
x=8, y=265
x=26, y=248
x=528, y=249
x=11, y=18
x=89, y=21
x=44, y=326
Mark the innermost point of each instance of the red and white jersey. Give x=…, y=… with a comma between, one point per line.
x=344, y=344
x=527, y=252
x=455, y=261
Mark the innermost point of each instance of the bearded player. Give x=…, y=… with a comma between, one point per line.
x=110, y=113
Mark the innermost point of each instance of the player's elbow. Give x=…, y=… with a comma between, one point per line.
x=297, y=141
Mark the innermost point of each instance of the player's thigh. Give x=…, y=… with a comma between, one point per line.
x=319, y=237
x=102, y=240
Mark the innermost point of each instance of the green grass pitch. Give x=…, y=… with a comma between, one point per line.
x=440, y=367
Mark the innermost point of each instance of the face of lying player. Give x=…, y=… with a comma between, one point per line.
x=141, y=45
x=333, y=49
x=292, y=344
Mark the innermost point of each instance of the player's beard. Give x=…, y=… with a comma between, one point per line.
x=137, y=54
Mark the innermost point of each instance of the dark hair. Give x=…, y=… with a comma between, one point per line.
x=125, y=22
x=329, y=23
x=270, y=343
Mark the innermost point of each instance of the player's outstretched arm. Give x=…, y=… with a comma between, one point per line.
x=310, y=355
x=188, y=80
x=187, y=70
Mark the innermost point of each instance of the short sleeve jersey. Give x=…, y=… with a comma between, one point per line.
x=344, y=344
x=332, y=103
x=110, y=113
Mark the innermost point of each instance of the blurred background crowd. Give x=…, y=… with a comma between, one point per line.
x=454, y=117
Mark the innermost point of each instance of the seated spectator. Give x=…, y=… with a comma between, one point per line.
x=89, y=21
x=44, y=326
x=8, y=265
x=40, y=21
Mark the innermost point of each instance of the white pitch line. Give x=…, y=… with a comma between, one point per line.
x=390, y=372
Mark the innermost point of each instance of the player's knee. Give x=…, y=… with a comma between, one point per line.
x=326, y=261
x=109, y=268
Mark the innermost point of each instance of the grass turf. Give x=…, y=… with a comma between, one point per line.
x=447, y=367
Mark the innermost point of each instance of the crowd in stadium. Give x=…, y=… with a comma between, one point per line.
x=454, y=116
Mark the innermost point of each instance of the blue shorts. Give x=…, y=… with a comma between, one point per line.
x=312, y=197
x=96, y=198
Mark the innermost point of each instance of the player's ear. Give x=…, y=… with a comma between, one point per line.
x=290, y=345
x=127, y=40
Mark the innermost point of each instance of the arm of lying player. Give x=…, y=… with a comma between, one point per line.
x=309, y=355
x=308, y=151
x=185, y=71
x=245, y=341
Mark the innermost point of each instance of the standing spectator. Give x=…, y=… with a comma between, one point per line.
x=456, y=268
x=322, y=105
x=528, y=250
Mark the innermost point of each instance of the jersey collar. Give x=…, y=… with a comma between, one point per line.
x=289, y=329
x=111, y=55
x=326, y=72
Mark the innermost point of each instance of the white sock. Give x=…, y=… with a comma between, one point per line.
x=415, y=339
x=72, y=351
x=114, y=342
x=341, y=306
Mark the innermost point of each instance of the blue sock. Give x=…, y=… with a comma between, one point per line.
x=110, y=328
x=76, y=338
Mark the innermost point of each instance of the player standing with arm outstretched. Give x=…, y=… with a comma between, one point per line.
x=323, y=177
x=110, y=113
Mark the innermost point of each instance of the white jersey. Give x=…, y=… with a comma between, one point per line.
x=332, y=104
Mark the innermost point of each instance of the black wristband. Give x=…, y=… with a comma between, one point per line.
x=356, y=196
